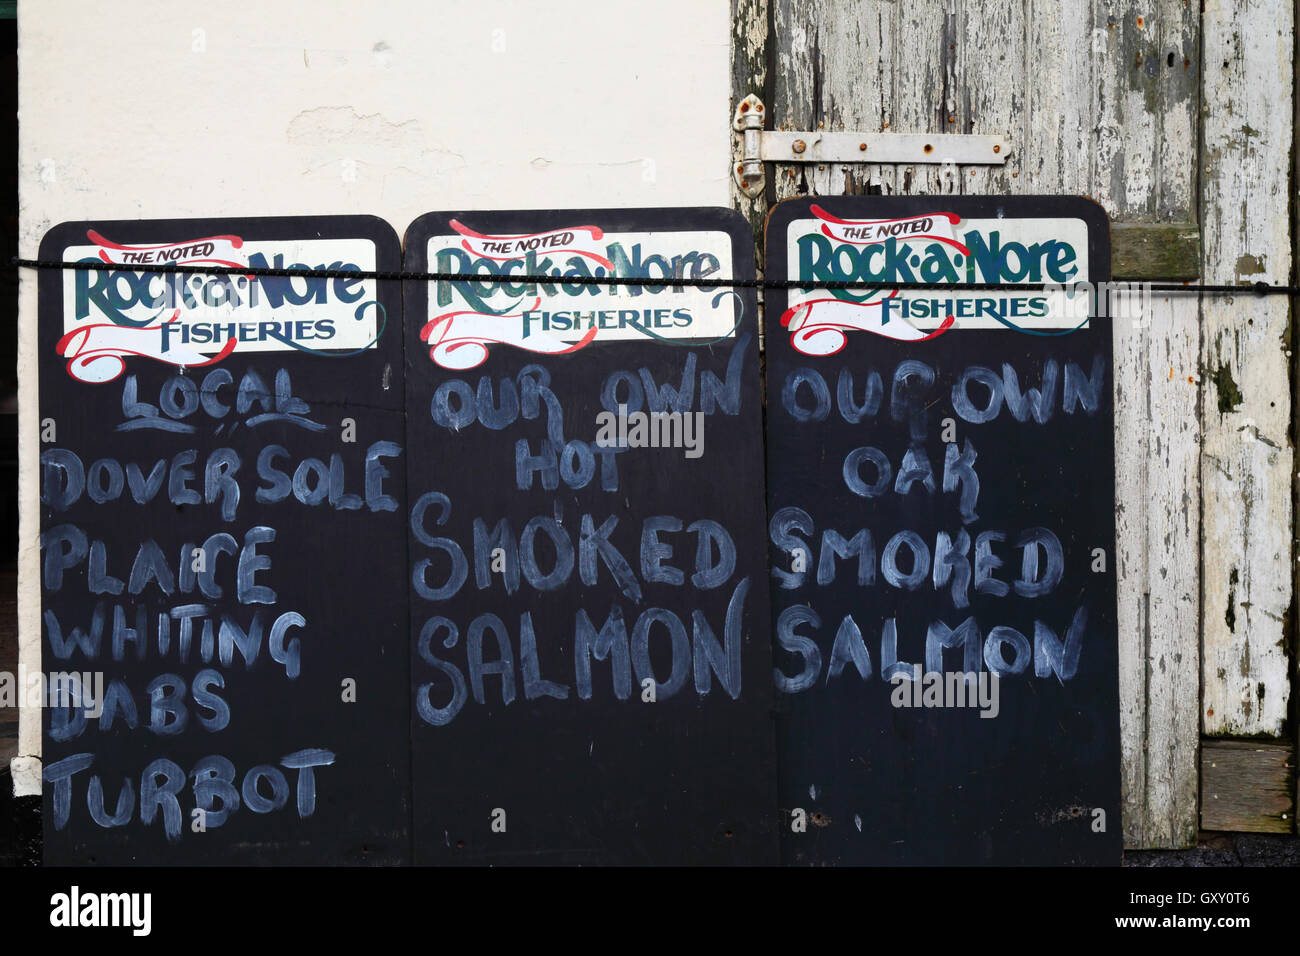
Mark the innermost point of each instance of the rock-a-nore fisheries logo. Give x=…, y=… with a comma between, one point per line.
x=197, y=319
x=927, y=248
x=568, y=314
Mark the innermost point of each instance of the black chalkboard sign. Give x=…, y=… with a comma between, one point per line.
x=223, y=518
x=591, y=667
x=941, y=503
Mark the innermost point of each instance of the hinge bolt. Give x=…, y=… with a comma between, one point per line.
x=799, y=146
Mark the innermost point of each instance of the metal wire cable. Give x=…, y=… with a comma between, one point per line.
x=1257, y=288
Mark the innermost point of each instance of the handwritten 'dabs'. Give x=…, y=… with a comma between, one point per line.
x=220, y=480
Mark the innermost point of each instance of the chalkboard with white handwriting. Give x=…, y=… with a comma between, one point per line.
x=223, y=516
x=941, y=532
x=590, y=660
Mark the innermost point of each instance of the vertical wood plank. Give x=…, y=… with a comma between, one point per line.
x=1132, y=344
x=923, y=86
x=992, y=60
x=1057, y=120
x=1157, y=521
x=1295, y=407
x=1123, y=159
x=1178, y=102
x=1248, y=459
x=1141, y=153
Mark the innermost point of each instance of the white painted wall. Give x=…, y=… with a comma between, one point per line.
x=191, y=108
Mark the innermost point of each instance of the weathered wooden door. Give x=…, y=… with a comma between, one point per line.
x=1179, y=121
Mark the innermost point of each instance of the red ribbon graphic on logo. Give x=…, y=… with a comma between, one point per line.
x=460, y=340
x=817, y=327
x=97, y=353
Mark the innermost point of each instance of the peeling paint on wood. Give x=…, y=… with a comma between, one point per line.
x=1158, y=524
x=1248, y=458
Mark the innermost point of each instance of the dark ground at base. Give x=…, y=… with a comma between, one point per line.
x=1225, y=850
x=20, y=825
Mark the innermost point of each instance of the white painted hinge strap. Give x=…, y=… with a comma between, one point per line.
x=761, y=146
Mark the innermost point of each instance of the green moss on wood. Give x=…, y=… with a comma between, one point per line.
x=1229, y=394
